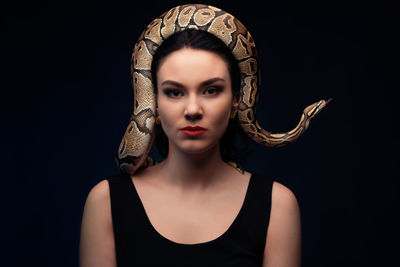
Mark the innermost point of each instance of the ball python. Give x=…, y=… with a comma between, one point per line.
x=139, y=135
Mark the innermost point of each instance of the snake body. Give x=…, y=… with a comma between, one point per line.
x=138, y=138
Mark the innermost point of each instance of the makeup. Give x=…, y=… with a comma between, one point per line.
x=193, y=130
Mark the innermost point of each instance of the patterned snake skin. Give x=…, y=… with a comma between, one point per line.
x=138, y=138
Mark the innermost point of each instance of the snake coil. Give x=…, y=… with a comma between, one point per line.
x=138, y=138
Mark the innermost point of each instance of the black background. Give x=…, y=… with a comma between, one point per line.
x=67, y=98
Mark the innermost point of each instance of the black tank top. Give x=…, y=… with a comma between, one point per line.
x=137, y=243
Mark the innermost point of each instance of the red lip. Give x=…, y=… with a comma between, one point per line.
x=193, y=130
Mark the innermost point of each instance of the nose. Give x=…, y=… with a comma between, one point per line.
x=193, y=110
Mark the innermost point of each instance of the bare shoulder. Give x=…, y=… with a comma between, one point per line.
x=285, y=211
x=283, y=199
x=97, y=236
x=98, y=202
x=283, y=243
x=99, y=194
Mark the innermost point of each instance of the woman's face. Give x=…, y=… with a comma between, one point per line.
x=194, y=89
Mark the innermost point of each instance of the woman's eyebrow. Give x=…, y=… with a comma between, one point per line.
x=205, y=83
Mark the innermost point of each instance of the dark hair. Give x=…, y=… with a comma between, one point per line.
x=199, y=39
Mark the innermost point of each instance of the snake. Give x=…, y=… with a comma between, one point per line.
x=137, y=140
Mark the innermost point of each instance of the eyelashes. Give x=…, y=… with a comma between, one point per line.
x=174, y=93
x=215, y=89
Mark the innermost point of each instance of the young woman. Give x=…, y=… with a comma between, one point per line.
x=196, y=207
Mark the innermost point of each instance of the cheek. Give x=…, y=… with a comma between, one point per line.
x=168, y=114
x=219, y=114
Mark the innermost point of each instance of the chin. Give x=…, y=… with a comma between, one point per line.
x=197, y=148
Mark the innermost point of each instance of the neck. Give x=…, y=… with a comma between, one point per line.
x=193, y=171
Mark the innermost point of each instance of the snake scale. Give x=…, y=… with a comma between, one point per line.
x=138, y=138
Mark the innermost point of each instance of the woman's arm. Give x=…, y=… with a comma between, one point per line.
x=283, y=244
x=97, y=247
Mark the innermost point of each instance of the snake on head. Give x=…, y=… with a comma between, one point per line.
x=139, y=135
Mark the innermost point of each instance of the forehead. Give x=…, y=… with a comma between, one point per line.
x=190, y=66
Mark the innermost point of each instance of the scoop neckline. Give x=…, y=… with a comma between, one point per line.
x=210, y=242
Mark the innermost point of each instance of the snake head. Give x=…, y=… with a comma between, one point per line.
x=312, y=110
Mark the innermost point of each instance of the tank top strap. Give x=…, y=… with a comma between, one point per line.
x=124, y=213
x=120, y=197
x=253, y=224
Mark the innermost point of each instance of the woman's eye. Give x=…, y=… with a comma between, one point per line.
x=213, y=90
x=172, y=92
